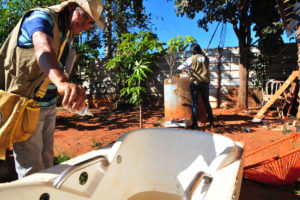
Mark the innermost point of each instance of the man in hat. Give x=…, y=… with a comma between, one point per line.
x=198, y=66
x=35, y=51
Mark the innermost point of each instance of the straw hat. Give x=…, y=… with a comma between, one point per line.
x=93, y=7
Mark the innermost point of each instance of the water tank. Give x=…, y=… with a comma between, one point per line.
x=177, y=102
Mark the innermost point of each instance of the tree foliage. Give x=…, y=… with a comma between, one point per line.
x=178, y=44
x=11, y=12
x=134, y=59
x=135, y=56
x=268, y=28
x=123, y=17
x=127, y=15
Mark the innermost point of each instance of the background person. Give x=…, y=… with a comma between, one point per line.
x=198, y=66
x=29, y=55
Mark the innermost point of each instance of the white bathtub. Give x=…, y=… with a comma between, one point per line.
x=144, y=164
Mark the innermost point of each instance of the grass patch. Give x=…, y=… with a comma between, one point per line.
x=158, y=122
x=62, y=157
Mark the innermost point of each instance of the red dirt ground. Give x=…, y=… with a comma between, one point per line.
x=76, y=135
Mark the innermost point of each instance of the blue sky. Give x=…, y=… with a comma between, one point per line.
x=168, y=25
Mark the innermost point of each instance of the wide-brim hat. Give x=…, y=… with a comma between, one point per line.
x=93, y=7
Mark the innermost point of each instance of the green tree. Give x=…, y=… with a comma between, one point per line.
x=268, y=29
x=178, y=44
x=135, y=56
x=123, y=17
x=237, y=13
x=11, y=12
x=267, y=26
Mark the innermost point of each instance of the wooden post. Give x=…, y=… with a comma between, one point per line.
x=291, y=78
x=282, y=13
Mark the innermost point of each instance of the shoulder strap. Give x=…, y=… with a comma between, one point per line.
x=44, y=86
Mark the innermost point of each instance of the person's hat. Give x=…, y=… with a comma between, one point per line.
x=93, y=7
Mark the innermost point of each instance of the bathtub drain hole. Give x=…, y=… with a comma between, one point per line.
x=45, y=196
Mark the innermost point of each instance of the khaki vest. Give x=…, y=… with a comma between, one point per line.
x=199, y=70
x=19, y=70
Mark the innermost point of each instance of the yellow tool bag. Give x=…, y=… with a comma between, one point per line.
x=19, y=117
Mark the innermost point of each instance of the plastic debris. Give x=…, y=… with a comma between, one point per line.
x=83, y=112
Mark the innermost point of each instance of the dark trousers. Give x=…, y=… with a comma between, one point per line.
x=203, y=88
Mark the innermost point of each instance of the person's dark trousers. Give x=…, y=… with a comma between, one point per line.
x=203, y=88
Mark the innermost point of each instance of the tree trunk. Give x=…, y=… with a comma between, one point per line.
x=108, y=30
x=244, y=76
x=244, y=36
x=243, y=88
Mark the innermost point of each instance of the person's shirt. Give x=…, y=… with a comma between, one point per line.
x=187, y=64
x=41, y=21
x=198, y=66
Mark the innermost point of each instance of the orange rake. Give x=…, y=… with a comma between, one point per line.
x=277, y=163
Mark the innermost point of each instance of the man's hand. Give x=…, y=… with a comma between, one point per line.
x=74, y=96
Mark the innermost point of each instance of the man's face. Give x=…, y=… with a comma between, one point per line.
x=80, y=21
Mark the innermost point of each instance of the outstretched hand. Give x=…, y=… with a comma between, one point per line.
x=73, y=96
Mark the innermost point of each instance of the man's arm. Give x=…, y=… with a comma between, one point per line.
x=74, y=95
x=185, y=65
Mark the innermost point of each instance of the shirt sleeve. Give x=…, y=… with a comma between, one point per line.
x=201, y=59
x=37, y=21
x=186, y=64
